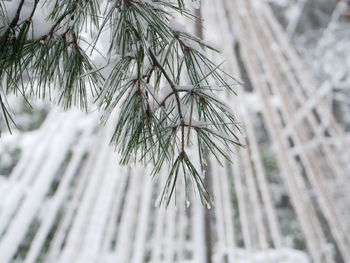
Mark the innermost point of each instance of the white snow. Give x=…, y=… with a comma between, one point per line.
x=176, y=26
x=285, y=255
x=196, y=4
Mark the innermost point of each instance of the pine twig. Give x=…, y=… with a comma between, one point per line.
x=177, y=98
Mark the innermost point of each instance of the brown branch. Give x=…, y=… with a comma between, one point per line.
x=13, y=22
x=149, y=75
x=33, y=10
x=190, y=123
x=173, y=92
x=187, y=126
x=177, y=98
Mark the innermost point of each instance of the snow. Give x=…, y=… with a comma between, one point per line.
x=165, y=91
x=195, y=45
x=269, y=256
x=279, y=2
x=196, y=4
x=241, y=256
x=213, y=45
x=176, y=26
x=4, y=186
x=11, y=7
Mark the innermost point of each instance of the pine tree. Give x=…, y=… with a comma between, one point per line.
x=129, y=57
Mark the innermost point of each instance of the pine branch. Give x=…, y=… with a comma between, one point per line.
x=177, y=97
x=144, y=57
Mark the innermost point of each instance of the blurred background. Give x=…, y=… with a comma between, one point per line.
x=63, y=197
